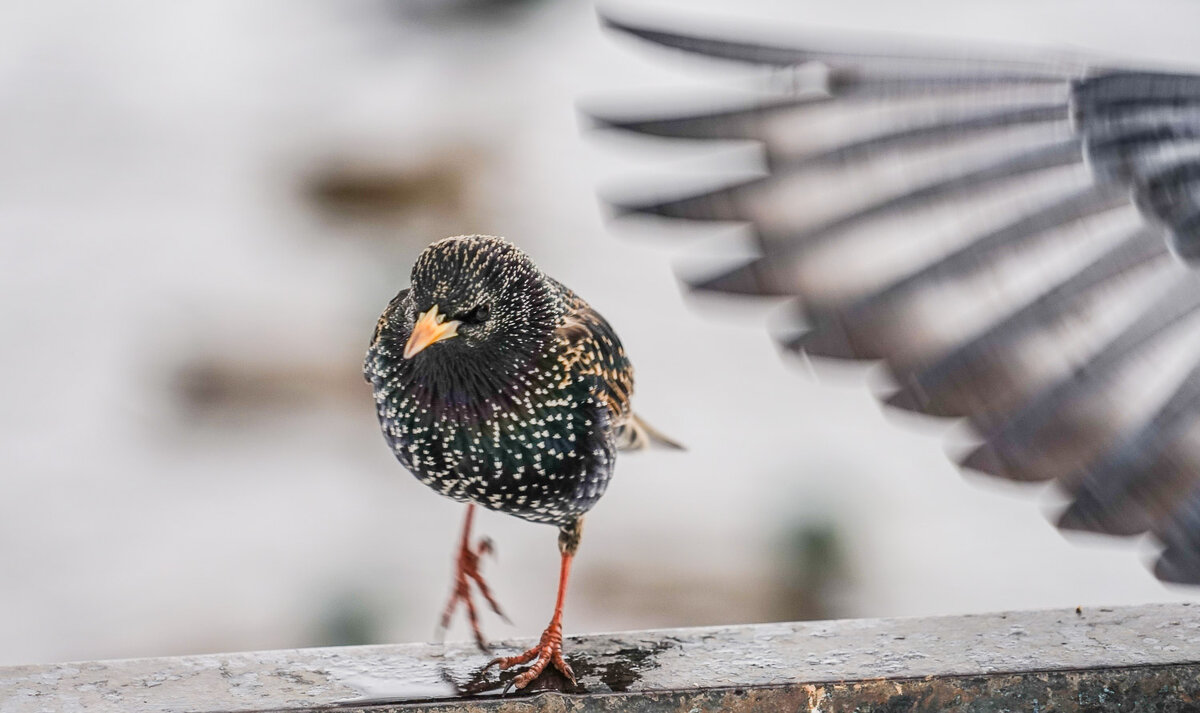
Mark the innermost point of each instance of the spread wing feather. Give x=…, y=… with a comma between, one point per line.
x=1015, y=240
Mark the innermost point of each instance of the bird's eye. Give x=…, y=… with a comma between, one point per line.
x=476, y=315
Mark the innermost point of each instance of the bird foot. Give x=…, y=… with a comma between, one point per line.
x=467, y=572
x=548, y=651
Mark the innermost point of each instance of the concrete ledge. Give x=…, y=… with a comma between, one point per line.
x=1128, y=659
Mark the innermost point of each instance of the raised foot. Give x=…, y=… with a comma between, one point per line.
x=467, y=572
x=548, y=651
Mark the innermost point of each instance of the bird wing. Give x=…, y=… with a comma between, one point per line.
x=594, y=351
x=1014, y=240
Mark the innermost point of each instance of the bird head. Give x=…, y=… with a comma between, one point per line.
x=477, y=296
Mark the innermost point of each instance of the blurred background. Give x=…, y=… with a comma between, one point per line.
x=204, y=207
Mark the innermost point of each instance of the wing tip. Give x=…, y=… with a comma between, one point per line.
x=1082, y=516
x=984, y=459
x=740, y=279
x=905, y=399
x=1177, y=567
x=609, y=21
x=827, y=341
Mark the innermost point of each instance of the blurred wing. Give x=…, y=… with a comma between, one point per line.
x=1010, y=238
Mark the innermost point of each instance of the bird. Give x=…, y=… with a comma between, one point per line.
x=1014, y=237
x=497, y=386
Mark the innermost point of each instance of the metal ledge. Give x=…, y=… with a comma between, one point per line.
x=1127, y=659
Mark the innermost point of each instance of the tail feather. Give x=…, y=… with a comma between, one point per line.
x=635, y=435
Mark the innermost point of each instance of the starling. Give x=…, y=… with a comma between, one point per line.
x=1016, y=238
x=497, y=386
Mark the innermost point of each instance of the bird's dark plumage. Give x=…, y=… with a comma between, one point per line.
x=1016, y=239
x=521, y=412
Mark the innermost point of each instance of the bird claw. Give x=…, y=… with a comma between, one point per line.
x=467, y=572
x=548, y=651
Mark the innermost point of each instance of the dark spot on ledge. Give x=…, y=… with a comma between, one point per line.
x=620, y=670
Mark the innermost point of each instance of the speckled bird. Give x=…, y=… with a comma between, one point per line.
x=497, y=386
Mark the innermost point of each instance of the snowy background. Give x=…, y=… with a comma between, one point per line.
x=205, y=205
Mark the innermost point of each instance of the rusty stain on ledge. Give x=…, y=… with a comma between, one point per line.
x=1143, y=658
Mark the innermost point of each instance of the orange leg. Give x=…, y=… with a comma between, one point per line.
x=468, y=571
x=549, y=648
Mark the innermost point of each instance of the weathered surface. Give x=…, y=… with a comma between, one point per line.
x=1127, y=659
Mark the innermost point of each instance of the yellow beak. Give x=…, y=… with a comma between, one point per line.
x=430, y=328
